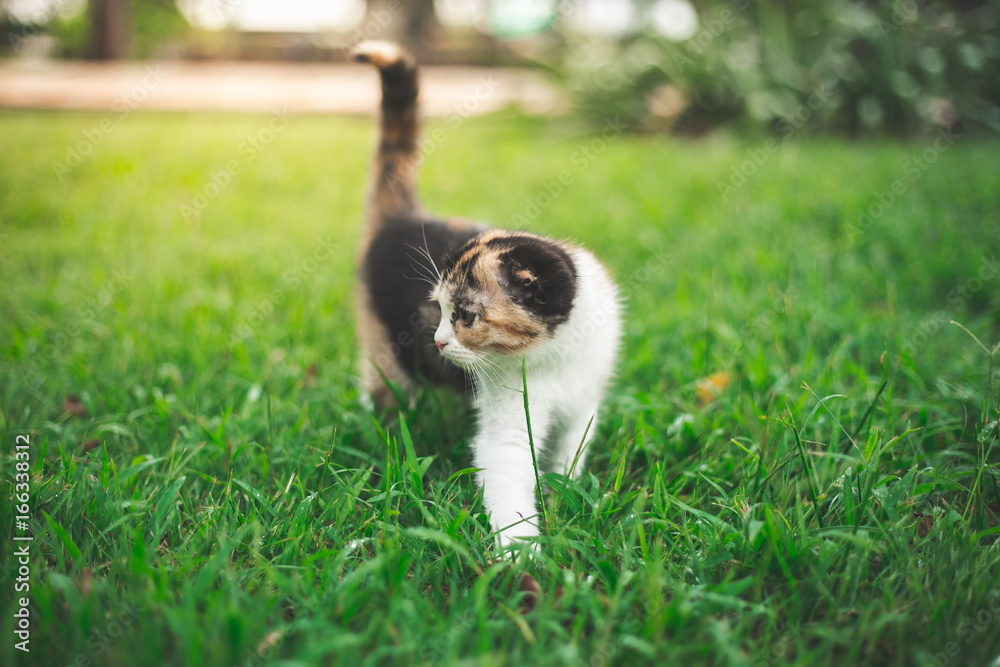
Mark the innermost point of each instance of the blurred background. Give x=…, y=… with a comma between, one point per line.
x=849, y=67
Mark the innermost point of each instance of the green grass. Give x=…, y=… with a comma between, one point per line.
x=831, y=507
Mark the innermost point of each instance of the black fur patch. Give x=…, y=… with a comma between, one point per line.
x=539, y=275
x=400, y=291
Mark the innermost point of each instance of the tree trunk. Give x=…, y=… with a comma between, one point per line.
x=110, y=29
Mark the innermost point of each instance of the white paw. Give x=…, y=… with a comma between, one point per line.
x=513, y=536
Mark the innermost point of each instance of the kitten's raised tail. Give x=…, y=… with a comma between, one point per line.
x=395, y=168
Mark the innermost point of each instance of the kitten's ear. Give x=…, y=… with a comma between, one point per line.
x=541, y=277
x=526, y=280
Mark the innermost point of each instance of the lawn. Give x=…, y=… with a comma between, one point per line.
x=206, y=487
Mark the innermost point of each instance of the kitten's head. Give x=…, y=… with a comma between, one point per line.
x=503, y=293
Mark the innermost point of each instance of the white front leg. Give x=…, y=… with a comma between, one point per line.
x=502, y=450
x=571, y=447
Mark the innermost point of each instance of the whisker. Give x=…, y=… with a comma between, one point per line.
x=427, y=251
x=498, y=371
x=469, y=382
x=480, y=373
x=477, y=386
x=431, y=270
x=420, y=278
x=475, y=370
x=417, y=260
x=424, y=271
x=473, y=382
x=487, y=369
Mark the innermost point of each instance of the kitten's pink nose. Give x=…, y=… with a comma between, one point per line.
x=440, y=345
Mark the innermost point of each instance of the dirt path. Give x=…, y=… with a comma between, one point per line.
x=260, y=87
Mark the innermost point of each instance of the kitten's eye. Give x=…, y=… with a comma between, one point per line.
x=466, y=317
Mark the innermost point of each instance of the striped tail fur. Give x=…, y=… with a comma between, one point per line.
x=395, y=169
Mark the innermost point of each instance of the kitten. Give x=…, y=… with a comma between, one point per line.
x=459, y=304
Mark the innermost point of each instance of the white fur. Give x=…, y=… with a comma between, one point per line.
x=566, y=376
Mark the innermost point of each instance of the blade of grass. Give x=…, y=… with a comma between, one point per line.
x=531, y=442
